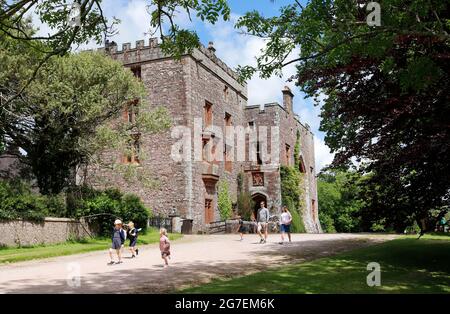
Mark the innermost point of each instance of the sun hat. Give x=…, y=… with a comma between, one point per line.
x=117, y=222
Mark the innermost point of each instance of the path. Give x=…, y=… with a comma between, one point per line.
x=196, y=259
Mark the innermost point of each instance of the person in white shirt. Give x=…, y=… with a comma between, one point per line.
x=286, y=219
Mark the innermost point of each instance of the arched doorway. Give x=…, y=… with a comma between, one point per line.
x=257, y=199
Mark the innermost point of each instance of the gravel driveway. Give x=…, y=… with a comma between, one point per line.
x=195, y=259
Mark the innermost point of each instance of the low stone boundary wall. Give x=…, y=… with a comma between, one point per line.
x=50, y=230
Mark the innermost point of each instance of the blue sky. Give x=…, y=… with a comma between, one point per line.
x=233, y=48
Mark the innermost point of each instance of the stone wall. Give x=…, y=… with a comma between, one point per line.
x=49, y=231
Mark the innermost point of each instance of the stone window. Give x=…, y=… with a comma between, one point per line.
x=207, y=114
x=313, y=209
x=288, y=154
x=225, y=92
x=227, y=148
x=258, y=178
x=258, y=153
x=302, y=165
x=209, y=210
x=136, y=71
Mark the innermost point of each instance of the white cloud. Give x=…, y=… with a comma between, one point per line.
x=322, y=154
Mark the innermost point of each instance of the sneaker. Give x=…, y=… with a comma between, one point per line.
x=133, y=256
x=137, y=251
x=280, y=242
x=111, y=263
x=261, y=241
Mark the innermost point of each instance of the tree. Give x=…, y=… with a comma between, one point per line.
x=340, y=202
x=224, y=201
x=64, y=118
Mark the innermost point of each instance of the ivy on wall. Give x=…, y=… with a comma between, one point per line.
x=292, y=194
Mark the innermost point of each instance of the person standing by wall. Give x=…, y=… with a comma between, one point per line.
x=263, y=222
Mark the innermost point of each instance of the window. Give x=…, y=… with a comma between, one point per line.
x=207, y=114
x=227, y=148
x=225, y=92
x=136, y=71
x=313, y=209
x=288, y=155
x=302, y=165
x=258, y=153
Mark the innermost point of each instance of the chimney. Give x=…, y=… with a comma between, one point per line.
x=211, y=47
x=287, y=99
x=153, y=42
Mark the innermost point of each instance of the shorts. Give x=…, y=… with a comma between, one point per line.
x=116, y=245
x=165, y=254
x=262, y=226
x=242, y=229
x=286, y=228
x=133, y=242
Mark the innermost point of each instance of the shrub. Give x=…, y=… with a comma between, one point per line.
x=224, y=201
x=106, y=206
x=326, y=222
x=18, y=201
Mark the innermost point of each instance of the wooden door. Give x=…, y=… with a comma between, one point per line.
x=209, y=211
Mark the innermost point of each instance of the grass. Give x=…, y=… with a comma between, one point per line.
x=407, y=265
x=13, y=254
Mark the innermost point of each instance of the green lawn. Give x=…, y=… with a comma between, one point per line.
x=407, y=265
x=10, y=254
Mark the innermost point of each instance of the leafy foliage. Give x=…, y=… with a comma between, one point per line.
x=103, y=207
x=291, y=195
x=18, y=201
x=339, y=202
x=224, y=202
x=63, y=119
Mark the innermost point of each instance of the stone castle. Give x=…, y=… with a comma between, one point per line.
x=200, y=87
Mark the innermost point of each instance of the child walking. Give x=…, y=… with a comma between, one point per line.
x=242, y=228
x=133, y=236
x=118, y=239
x=164, y=246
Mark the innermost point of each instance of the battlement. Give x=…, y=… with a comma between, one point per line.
x=153, y=51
